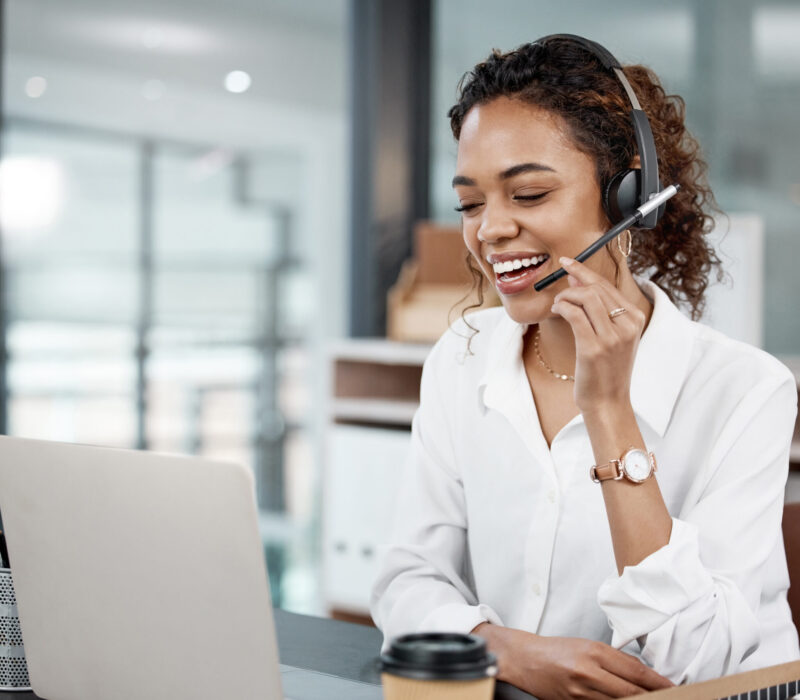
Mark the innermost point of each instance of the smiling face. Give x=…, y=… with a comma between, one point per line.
x=527, y=196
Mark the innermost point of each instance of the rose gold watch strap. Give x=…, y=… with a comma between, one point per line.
x=603, y=472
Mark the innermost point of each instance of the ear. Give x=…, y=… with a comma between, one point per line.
x=636, y=162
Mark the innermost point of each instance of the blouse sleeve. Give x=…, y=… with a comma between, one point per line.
x=693, y=604
x=424, y=582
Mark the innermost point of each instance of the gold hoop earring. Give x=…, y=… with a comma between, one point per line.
x=628, y=243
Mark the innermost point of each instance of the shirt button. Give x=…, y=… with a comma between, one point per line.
x=536, y=588
x=551, y=496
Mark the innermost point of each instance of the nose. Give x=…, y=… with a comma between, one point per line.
x=496, y=225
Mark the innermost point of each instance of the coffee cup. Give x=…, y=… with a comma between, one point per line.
x=438, y=666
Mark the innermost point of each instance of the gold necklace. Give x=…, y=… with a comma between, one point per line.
x=565, y=377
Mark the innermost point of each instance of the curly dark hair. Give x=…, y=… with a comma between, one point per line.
x=564, y=78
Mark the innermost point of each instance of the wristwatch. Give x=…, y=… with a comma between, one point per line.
x=635, y=465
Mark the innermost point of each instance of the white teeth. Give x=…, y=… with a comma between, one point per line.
x=509, y=265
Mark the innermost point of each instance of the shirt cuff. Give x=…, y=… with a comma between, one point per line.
x=647, y=595
x=458, y=617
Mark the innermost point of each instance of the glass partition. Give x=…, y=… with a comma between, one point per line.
x=173, y=225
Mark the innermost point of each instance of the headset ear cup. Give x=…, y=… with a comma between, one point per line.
x=621, y=195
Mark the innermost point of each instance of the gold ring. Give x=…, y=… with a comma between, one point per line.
x=617, y=312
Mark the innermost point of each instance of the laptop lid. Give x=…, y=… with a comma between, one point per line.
x=137, y=574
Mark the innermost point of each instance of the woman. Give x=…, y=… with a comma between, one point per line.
x=500, y=530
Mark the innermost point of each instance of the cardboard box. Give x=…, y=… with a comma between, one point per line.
x=434, y=287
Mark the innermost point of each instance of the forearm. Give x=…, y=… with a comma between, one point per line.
x=496, y=641
x=637, y=516
x=695, y=625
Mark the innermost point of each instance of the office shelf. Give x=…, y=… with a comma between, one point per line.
x=378, y=350
x=373, y=395
x=373, y=411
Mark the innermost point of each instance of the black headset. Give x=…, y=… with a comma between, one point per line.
x=630, y=188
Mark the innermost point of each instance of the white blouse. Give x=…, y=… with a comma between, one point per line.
x=492, y=525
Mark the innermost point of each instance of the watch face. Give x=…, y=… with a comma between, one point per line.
x=636, y=464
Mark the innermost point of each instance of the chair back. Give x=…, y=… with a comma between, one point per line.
x=791, y=541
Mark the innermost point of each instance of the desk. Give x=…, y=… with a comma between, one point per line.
x=328, y=646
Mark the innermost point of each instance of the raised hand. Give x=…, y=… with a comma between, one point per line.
x=606, y=338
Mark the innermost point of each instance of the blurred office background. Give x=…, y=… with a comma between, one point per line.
x=198, y=197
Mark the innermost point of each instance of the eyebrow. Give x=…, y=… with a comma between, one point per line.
x=507, y=174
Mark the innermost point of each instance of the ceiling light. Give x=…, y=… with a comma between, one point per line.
x=237, y=81
x=178, y=38
x=35, y=86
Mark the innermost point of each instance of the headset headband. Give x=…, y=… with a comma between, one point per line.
x=641, y=126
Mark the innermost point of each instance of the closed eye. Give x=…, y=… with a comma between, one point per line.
x=529, y=197
x=467, y=207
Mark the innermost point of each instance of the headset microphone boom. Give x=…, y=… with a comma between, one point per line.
x=612, y=233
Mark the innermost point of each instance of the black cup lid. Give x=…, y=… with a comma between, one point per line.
x=439, y=655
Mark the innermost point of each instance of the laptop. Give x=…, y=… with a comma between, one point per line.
x=141, y=575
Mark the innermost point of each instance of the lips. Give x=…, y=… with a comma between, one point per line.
x=517, y=273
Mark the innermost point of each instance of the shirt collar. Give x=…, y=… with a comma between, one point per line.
x=662, y=360
x=660, y=367
x=503, y=362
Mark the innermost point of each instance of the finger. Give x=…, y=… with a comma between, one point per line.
x=632, y=321
x=614, y=686
x=585, y=276
x=591, y=694
x=634, y=671
x=613, y=297
x=578, y=321
x=594, y=305
x=579, y=274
